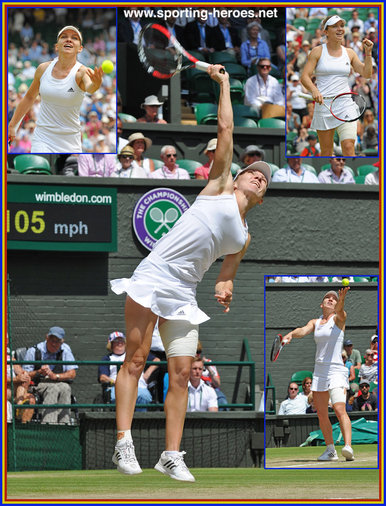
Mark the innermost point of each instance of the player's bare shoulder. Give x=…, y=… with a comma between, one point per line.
x=315, y=53
x=41, y=69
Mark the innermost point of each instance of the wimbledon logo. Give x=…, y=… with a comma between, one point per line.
x=155, y=214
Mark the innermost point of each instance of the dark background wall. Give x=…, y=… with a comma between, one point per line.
x=300, y=229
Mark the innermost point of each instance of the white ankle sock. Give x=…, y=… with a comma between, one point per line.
x=331, y=447
x=126, y=437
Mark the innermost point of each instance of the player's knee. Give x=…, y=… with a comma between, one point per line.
x=179, y=337
x=338, y=396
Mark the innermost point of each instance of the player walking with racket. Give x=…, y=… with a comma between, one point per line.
x=164, y=286
x=330, y=380
x=62, y=84
x=331, y=62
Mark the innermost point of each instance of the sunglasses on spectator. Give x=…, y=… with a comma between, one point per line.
x=294, y=388
x=265, y=66
x=364, y=386
x=340, y=159
x=171, y=154
x=131, y=157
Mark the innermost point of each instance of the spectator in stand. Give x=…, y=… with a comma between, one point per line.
x=367, y=401
x=52, y=381
x=227, y=37
x=151, y=106
x=352, y=354
x=122, y=141
x=203, y=171
x=130, y=27
x=370, y=139
x=369, y=370
x=307, y=118
x=355, y=21
x=310, y=149
x=198, y=35
x=294, y=404
x=294, y=173
x=263, y=88
x=96, y=165
x=293, y=119
x=140, y=144
x=201, y=397
x=349, y=366
x=170, y=169
x=374, y=346
x=254, y=49
x=318, y=12
x=251, y=154
x=301, y=141
x=306, y=389
x=337, y=173
x=368, y=120
x=295, y=89
x=211, y=376
x=126, y=168
x=176, y=30
x=371, y=22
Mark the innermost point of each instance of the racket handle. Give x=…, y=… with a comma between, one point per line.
x=201, y=65
x=308, y=97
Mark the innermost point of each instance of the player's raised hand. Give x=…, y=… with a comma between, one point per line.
x=224, y=298
x=218, y=73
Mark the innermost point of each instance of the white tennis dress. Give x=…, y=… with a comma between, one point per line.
x=329, y=371
x=58, y=125
x=331, y=79
x=166, y=279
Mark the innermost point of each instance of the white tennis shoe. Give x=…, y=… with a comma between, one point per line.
x=348, y=452
x=174, y=466
x=329, y=455
x=124, y=458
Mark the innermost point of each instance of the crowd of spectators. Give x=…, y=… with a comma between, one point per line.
x=31, y=39
x=304, y=32
x=319, y=279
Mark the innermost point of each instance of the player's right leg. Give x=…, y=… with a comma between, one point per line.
x=321, y=404
x=326, y=141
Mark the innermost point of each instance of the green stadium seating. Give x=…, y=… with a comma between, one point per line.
x=157, y=163
x=361, y=279
x=200, y=86
x=234, y=168
x=370, y=152
x=206, y=114
x=245, y=122
x=126, y=118
x=359, y=179
x=236, y=89
x=363, y=170
x=271, y=123
x=236, y=71
x=32, y=164
x=297, y=22
x=274, y=168
x=189, y=165
x=222, y=57
x=310, y=168
x=245, y=111
x=299, y=376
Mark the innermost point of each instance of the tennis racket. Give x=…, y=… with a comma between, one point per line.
x=346, y=107
x=162, y=55
x=277, y=346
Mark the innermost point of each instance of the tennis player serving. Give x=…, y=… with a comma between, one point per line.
x=62, y=84
x=330, y=378
x=331, y=62
x=164, y=285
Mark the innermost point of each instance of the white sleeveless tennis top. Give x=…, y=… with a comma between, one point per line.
x=58, y=124
x=331, y=79
x=329, y=342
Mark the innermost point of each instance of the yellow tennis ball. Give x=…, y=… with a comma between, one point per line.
x=107, y=66
x=345, y=282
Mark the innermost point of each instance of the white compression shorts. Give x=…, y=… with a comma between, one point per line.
x=347, y=131
x=337, y=394
x=179, y=337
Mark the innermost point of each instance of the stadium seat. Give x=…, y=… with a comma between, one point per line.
x=245, y=122
x=291, y=136
x=370, y=152
x=274, y=168
x=206, y=114
x=271, y=123
x=32, y=164
x=236, y=71
x=361, y=279
x=222, y=57
x=236, y=89
x=313, y=24
x=363, y=170
x=373, y=386
x=127, y=118
x=234, y=168
x=297, y=22
x=245, y=111
x=359, y=179
x=310, y=168
x=299, y=376
x=189, y=165
x=157, y=163
x=200, y=86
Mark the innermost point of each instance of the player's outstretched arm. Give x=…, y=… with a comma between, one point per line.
x=308, y=71
x=299, y=332
x=341, y=314
x=91, y=79
x=220, y=177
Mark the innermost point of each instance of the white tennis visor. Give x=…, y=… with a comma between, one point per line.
x=73, y=28
x=333, y=20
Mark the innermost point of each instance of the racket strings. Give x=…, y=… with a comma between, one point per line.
x=348, y=107
x=157, y=53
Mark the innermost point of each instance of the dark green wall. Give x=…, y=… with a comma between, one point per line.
x=300, y=229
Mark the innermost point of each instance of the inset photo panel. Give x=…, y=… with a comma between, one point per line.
x=332, y=81
x=321, y=371
x=61, y=81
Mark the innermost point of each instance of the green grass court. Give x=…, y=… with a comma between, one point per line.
x=211, y=484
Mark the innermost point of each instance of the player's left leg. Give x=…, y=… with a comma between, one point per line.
x=347, y=134
x=338, y=400
x=321, y=400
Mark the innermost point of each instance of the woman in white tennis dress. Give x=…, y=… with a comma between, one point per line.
x=330, y=379
x=62, y=84
x=331, y=63
x=164, y=286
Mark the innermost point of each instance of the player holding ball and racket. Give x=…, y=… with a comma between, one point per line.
x=331, y=63
x=62, y=84
x=330, y=378
x=164, y=286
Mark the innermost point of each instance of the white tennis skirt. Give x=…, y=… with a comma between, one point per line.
x=322, y=119
x=153, y=285
x=326, y=377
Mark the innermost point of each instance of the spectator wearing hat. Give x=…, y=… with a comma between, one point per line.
x=100, y=145
x=369, y=370
x=140, y=144
x=126, y=168
x=294, y=172
x=151, y=106
x=203, y=171
x=311, y=149
x=51, y=381
x=170, y=169
x=107, y=373
x=367, y=401
x=252, y=153
x=337, y=173
x=352, y=354
x=262, y=87
x=96, y=165
x=254, y=48
x=294, y=89
x=374, y=346
x=93, y=125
